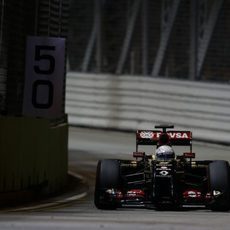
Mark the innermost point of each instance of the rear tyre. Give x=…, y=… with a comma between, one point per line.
x=107, y=177
x=219, y=181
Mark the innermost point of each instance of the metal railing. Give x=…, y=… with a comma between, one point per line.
x=186, y=39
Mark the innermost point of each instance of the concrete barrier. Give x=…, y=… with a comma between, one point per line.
x=132, y=102
x=33, y=156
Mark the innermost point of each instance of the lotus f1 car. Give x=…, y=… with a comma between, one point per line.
x=163, y=181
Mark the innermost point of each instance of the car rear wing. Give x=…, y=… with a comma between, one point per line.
x=153, y=137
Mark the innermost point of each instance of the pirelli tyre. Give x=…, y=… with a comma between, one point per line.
x=107, y=178
x=219, y=181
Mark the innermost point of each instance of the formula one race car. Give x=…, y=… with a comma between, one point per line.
x=163, y=180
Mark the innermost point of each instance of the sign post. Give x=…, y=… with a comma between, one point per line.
x=44, y=77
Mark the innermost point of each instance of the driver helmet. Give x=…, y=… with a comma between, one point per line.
x=165, y=152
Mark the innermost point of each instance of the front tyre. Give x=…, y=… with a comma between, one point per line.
x=219, y=181
x=107, y=177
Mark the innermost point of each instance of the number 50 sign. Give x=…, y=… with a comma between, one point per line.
x=44, y=77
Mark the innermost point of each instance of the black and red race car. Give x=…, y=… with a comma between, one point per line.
x=163, y=183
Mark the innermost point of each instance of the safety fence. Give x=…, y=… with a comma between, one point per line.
x=186, y=39
x=130, y=103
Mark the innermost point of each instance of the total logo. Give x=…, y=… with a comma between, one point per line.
x=192, y=194
x=146, y=135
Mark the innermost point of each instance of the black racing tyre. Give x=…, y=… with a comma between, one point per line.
x=107, y=177
x=219, y=180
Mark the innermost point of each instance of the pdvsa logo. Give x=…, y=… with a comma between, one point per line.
x=179, y=135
